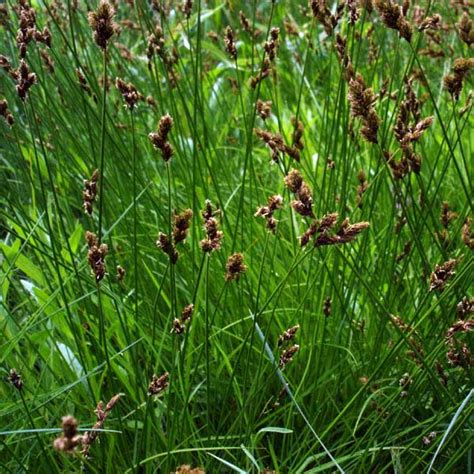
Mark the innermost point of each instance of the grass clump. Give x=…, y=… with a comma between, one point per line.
x=247, y=225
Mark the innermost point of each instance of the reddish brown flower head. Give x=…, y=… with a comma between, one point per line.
x=102, y=24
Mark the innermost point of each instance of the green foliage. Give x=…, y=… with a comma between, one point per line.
x=371, y=381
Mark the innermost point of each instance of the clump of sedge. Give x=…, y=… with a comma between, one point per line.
x=235, y=267
x=274, y=202
x=96, y=256
x=159, y=139
x=89, y=192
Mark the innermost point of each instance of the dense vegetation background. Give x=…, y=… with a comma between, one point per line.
x=326, y=342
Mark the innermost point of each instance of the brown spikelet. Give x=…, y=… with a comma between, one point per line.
x=288, y=354
x=158, y=384
x=441, y=274
x=96, y=256
x=69, y=439
x=288, y=335
x=102, y=24
x=466, y=29
x=229, y=41
x=14, y=378
x=453, y=82
x=6, y=113
x=393, y=16
x=24, y=79
x=187, y=8
x=89, y=192
x=159, y=139
x=274, y=202
x=467, y=233
x=181, y=223
x=167, y=246
x=129, y=93
x=362, y=100
x=264, y=108
x=303, y=204
x=235, y=267
x=101, y=413
x=211, y=226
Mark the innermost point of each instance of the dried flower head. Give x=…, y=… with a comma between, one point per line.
x=158, y=384
x=159, y=139
x=14, y=378
x=96, y=256
x=102, y=23
x=441, y=274
x=89, y=192
x=101, y=414
x=69, y=439
x=235, y=267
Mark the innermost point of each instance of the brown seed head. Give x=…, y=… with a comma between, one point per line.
x=102, y=24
